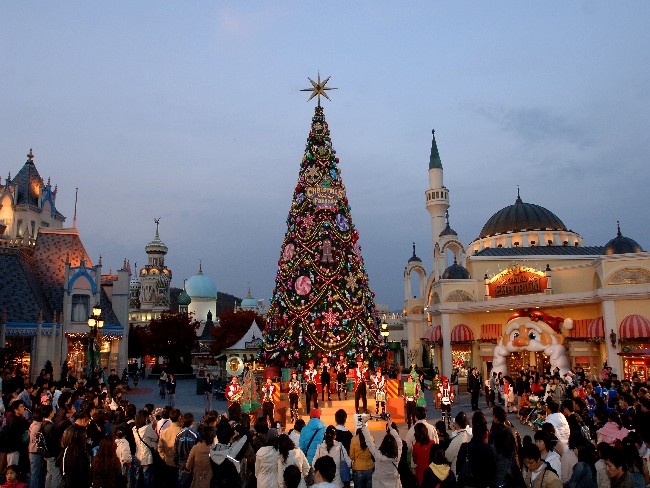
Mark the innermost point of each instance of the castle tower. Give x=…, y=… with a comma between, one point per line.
x=155, y=277
x=437, y=202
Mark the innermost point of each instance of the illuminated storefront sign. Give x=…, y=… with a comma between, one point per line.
x=517, y=280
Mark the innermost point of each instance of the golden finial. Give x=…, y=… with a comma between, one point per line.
x=318, y=88
x=30, y=156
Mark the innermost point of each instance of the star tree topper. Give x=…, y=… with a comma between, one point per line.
x=318, y=88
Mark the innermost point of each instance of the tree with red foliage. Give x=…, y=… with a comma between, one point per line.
x=233, y=326
x=173, y=335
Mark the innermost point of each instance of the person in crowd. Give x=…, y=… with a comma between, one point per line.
x=123, y=451
x=37, y=474
x=462, y=436
x=602, y=477
x=363, y=464
x=166, y=448
x=613, y=430
x=324, y=473
x=421, y=451
x=207, y=392
x=171, y=389
x=343, y=434
x=617, y=468
x=266, y=461
x=438, y=474
x=290, y=455
x=507, y=459
x=12, y=474
x=569, y=457
x=584, y=473
x=387, y=456
x=52, y=438
x=106, y=466
x=292, y=478
x=546, y=445
x=538, y=473
x=146, y=442
x=421, y=418
x=557, y=420
x=443, y=435
x=227, y=454
x=312, y=435
x=75, y=461
x=476, y=463
x=294, y=433
x=333, y=448
x=198, y=462
x=185, y=440
x=16, y=427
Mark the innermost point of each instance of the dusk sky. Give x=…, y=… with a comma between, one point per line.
x=192, y=112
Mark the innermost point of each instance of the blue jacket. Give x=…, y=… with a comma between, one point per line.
x=313, y=426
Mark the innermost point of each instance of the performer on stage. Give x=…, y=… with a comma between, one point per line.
x=311, y=378
x=268, y=404
x=379, y=385
x=446, y=398
x=360, y=378
x=342, y=376
x=325, y=379
x=411, y=399
x=234, y=393
x=294, y=393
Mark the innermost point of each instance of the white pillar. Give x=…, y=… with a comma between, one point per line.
x=609, y=318
x=446, y=344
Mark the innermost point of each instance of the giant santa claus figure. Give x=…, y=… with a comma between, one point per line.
x=533, y=331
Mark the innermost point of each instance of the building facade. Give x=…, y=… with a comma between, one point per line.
x=49, y=285
x=526, y=261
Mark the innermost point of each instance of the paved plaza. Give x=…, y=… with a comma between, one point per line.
x=188, y=401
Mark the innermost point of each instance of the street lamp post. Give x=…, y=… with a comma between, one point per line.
x=385, y=333
x=95, y=322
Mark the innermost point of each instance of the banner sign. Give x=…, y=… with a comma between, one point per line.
x=517, y=280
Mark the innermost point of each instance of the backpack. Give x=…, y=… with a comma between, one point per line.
x=41, y=443
x=550, y=468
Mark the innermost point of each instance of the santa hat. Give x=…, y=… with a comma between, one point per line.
x=341, y=355
x=445, y=379
x=555, y=323
x=359, y=359
x=311, y=362
x=378, y=370
x=294, y=372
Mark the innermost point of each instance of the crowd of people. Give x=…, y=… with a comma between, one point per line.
x=82, y=433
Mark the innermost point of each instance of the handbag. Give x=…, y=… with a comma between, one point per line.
x=346, y=473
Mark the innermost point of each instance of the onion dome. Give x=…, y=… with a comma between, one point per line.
x=455, y=272
x=156, y=246
x=521, y=217
x=414, y=258
x=621, y=244
x=248, y=303
x=448, y=231
x=184, y=299
x=201, y=286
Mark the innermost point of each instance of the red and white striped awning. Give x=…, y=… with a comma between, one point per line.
x=434, y=334
x=461, y=334
x=491, y=332
x=634, y=327
x=580, y=329
x=596, y=329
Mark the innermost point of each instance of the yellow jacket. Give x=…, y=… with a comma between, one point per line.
x=361, y=458
x=166, y=443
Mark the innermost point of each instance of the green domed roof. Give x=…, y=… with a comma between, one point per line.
x=184, y=298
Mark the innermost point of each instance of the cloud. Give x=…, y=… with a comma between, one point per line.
x=534, y=124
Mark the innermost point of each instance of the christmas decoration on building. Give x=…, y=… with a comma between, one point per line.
x=322, y=303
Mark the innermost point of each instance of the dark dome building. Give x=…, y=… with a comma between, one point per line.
x=456, y=272
x=621, y=244
x=524, y=225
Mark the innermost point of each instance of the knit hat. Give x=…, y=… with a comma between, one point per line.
x=314, y=414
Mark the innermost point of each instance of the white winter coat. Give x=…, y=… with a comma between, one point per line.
x=338, y=453
x=297, y=458
x=266, y=467
x=386, y=474
x=145, y=436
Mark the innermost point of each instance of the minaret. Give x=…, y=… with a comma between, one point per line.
x=437, y=196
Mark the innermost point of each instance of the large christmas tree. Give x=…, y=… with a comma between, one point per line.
x=322, y=304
